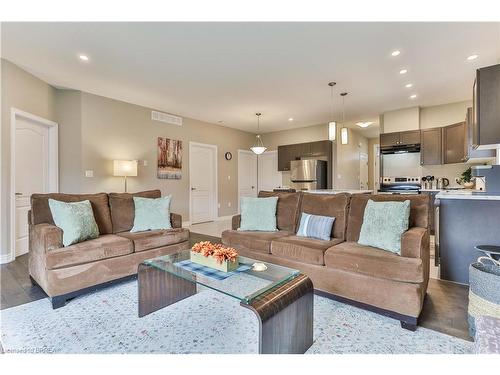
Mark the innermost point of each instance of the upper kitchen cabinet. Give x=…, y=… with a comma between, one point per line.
x=286, y=153
x=284, y=156
x=472, y=154
x=431, y=151
x=389, y=139
x=400, y=138
x=486, y=109
x=454, y=144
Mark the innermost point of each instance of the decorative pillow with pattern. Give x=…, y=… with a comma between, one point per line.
x=315, y=226
x=76, y=219
x=383, y=225
x=151, y=214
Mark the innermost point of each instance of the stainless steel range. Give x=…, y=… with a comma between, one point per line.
x=400, y=185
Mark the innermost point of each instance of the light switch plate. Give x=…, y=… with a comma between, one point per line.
x=145, y=163
x=89, y=173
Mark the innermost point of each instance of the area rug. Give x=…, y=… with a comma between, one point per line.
x=106, y=321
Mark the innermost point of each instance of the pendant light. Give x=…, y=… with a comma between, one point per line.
x=258, y=147
x=332, y=125
x=344, y=132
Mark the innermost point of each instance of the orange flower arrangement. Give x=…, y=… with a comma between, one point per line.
x=218, y=251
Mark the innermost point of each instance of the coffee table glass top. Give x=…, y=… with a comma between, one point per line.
x=245, y=286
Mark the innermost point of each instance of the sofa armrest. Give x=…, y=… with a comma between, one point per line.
x=176, y=220
x=236, y=222
x=45, y=237
x=415, y=243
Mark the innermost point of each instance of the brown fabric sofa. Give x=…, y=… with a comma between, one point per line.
x=64, y=272
x=342, y=269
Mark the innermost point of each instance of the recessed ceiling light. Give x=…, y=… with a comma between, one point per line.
x=472, y=57
x=408, y=85
x=290, y=119
x=364, y=124
x=395, y=53
x=414, y=96
x=84, y=57
x=403, y=71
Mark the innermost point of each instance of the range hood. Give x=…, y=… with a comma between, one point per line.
x=400, y=149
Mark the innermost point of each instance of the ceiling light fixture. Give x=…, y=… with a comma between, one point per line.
x=414, y=96
x=403, y=71
x=84, y=57
x=344, y=132
x=364, y=124
x=332, y=125
x=290, y=119
x=258, y=147
x=396, y=53
x=472, y=57
x=408, y=85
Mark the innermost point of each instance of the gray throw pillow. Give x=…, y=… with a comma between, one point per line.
x=383, y=225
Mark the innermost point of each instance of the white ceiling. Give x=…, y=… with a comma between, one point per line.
x=228, y=71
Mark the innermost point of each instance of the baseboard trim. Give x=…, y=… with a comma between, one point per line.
x=6, y=258
x=222, y=218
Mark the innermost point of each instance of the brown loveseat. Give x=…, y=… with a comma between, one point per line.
x=64, y=272
x=367, y=277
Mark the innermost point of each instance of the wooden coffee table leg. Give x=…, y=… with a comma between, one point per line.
x=286, y=317
x=158, y=289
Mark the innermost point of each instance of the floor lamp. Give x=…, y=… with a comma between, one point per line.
x=125, y=168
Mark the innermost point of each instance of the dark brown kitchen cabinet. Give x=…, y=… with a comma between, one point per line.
x=409, y=138
x=297, y=151
x=454, y=146
x=431, y=146
x=432, y=209
x=389, y=139
x=486, y=106
x=284, y=157
x=470, y=151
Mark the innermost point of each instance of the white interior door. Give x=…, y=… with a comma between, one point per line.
x=247, y=175
x=363, y=171
x=269, y=176
x=32, y=155
x=203, y=181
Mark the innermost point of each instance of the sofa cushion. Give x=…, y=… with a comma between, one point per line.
x=123, y=209
x=353, y=257
x=156, y=238
x=419, y=211
x=103, y=247
x=333, y=205
x=151, y=214
x=40, y=211
x=252, y=240
x=287, y=210
x=258, y=214
x=307, y=250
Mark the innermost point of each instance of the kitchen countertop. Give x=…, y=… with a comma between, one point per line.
x=448, y=189
x=468, y=194
x=337, y=191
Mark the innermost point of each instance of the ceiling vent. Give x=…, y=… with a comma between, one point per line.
x=165, y=117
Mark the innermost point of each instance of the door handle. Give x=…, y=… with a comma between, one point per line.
x=193, y=188
x=253, y=187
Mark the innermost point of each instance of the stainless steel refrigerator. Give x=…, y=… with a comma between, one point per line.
x=308, y=174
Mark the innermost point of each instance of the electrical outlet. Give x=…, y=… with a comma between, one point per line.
x=229, y=204
x=218, y=205
x=89, y=173
x=144, y=163
x=339, y=176
x=229, y=178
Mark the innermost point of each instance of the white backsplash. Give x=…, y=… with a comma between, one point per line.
x=409, y=165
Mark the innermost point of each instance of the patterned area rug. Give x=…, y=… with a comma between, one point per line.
x=208, y=322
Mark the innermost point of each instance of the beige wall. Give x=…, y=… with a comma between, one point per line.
x=23, y=91
x=112, y=129
x=443, y=115
x=400, y=120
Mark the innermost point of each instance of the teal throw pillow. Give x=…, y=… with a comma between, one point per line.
x=76, y=219
x=151, y=214
x=383, y=225
x=258, y=214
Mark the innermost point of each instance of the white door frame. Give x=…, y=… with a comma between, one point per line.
x=215, y=199
x=376, y=167
x=256, y=172
x=53, y=165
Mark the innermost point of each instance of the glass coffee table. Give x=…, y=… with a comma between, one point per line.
x=281, y=297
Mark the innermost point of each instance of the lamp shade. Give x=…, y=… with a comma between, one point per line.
x=125, y=168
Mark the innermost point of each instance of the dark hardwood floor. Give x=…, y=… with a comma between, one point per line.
x=445, y=307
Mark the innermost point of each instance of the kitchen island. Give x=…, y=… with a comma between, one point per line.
x=467, y=218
